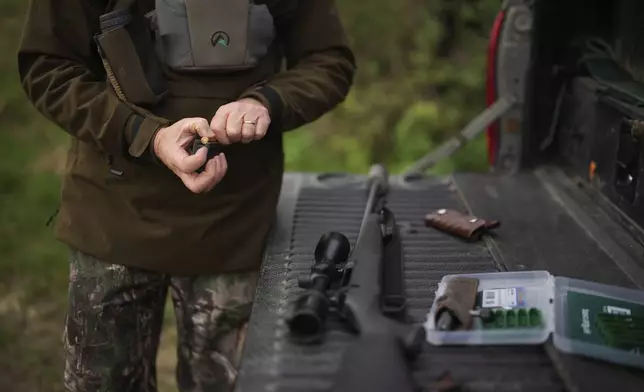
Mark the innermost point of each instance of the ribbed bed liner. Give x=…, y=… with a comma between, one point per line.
x=272, y=363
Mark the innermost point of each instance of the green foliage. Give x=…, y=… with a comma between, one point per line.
x=28, y=191
x=33, y=265
x=420, y=79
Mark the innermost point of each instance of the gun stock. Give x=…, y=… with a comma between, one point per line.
x=375, y=363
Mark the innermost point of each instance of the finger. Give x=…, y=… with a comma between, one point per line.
x=199, y=183
x=200, y=126
x=216, y=169
x=248, y=130
x=211, y=170
x=234, y=126
x=262, y=127
x=213, y=165
x=207, y=180
x=218, y=125
x=186, y=163
x=188, y=180
x=223, y=166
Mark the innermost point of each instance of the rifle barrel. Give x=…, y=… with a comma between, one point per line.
x=378, y=185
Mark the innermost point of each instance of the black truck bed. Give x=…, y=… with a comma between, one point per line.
x=547, y=223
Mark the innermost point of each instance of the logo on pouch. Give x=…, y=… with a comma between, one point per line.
x=220, y=38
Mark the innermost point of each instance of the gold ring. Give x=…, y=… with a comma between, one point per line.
x=194, y=127
x=250, y=122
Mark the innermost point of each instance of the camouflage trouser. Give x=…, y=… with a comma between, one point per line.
x=114, y=322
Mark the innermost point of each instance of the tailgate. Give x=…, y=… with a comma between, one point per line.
x=308, y=209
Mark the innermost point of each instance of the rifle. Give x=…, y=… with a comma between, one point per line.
x=365, y=288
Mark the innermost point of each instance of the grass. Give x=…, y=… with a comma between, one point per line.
x=33, y=267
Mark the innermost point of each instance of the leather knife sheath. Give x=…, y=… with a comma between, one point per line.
x=459, y=298
x=463, y=225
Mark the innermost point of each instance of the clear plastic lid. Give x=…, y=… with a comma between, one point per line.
x=577, y=330
x=569, y=309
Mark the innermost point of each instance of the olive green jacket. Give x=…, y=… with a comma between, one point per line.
x=118, y=203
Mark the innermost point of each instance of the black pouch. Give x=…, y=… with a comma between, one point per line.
x=214, y=149
x=126, y=45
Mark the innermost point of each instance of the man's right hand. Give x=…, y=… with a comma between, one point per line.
x=170, y=145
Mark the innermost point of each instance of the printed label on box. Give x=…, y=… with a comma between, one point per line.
x=503, y=298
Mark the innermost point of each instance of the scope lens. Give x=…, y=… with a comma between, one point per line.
x=305, y=324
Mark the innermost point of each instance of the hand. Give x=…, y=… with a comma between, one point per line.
x=170, y=145
x=244, y=120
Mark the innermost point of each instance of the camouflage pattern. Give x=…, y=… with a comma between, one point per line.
x=114, y=321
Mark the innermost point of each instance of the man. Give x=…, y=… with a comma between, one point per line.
x=138, y=217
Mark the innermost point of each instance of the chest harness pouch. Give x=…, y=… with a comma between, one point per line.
x=213, y=35
x=184, y=36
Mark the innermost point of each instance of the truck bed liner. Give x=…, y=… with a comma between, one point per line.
x=310, y=207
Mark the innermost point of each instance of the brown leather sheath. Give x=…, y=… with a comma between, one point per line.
x=457, y=223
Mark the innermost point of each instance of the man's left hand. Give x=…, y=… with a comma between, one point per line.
x=240, y=121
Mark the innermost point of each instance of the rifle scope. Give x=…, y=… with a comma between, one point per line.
x=310, y=309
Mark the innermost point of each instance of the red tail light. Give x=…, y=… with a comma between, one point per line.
x=490, y=86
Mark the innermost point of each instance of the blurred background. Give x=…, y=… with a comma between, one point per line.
x=421, y=78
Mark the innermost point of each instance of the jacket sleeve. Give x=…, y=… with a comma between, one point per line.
x=62, y=75
x=320, y=67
